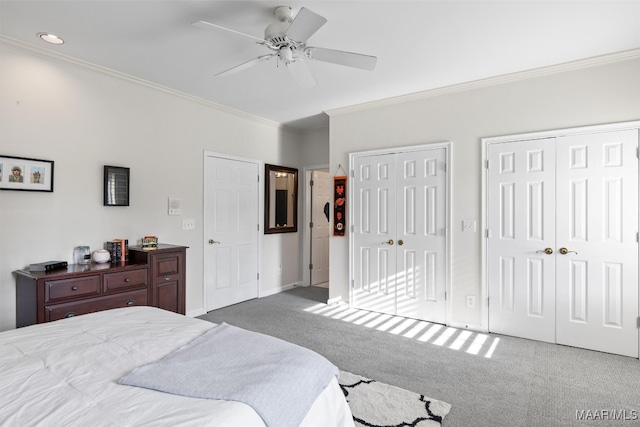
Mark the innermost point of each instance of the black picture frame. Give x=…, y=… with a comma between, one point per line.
x=116, y=186
x=26, y=174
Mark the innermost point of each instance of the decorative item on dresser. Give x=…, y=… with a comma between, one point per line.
x=150, y=278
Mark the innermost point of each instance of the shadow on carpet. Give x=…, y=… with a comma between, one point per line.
x=375, y=404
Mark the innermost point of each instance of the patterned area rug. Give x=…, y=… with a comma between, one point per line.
x=375, y=404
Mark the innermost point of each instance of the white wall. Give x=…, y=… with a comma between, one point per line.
x=83, y=118
x=604, y=93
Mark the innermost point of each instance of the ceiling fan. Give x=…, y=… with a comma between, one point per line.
x=287, y=38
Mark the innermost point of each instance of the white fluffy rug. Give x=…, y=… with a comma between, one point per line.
x=375, y=404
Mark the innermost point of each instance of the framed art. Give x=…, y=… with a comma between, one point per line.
x=116, y=186
x=25, y=174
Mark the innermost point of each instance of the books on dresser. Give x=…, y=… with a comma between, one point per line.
x=47, y=266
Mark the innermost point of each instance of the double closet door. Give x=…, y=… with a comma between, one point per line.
x=399, y=245
x=562, y=247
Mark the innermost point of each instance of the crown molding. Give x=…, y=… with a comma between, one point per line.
x=491, y=81
x=68, y=60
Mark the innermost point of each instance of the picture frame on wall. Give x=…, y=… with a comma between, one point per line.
x=116, y=186
x=26, y=174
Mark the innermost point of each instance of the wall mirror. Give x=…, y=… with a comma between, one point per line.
x=280, y=199
x=116, y=186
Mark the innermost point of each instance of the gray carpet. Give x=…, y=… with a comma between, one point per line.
x=522, y=383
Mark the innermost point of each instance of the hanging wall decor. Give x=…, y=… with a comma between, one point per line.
x=339, y=205
x=25, y=174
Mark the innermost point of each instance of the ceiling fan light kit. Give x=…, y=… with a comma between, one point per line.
x=287, y=38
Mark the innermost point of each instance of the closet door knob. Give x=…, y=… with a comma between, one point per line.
x=400, y=242
x=390, y=242
x=547, y=251
x=565, y=251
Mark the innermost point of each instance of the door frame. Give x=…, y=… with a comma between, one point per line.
x=446, y=145
x=306, y=235
x=260, y=231
x=609, y=127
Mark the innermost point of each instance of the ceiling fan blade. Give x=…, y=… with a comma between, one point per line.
x=245, y=65
x=208, y=26
x=350, y=59
x=304, y=25
x=301, y=73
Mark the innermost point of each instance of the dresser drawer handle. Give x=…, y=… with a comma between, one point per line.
x=74, y=288
x=71, y=314
x=167, y=278
x=127, y=280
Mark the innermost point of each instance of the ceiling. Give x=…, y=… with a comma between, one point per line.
x=420, y=45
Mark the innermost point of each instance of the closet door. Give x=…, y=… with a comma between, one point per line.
x=399, y=247
x=374, y=219
x=597, y=217
x=421, y=235
x=521, y=222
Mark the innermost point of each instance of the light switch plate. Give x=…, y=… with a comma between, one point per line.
x=175, y=206
x=188, y=224
x=469, y=225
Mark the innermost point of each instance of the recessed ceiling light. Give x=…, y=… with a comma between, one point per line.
x=50, y=38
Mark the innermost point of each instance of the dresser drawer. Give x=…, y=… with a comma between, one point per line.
x=70, y=309
x=61, y=289
x=125, y=279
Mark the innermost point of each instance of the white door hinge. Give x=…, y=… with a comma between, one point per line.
x=487, y=233
x=638, y=322
x=353, y=173
x=486, y=164
x=258, y=276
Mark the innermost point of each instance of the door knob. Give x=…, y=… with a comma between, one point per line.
x=547, y=251
x=400, y=242
x=213, y=242
x=565, y=251
x=390, y=242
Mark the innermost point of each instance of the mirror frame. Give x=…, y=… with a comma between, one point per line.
x=267, y=202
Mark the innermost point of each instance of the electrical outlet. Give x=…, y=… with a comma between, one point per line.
x=188, y=224
x=471, y=300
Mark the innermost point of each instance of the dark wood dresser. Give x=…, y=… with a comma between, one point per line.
x=155, y=278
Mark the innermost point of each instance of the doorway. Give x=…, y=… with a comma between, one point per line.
x=231, y=230
x=317, y=226
x=562, y=238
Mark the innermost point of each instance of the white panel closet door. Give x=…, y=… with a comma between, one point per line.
x=374, y=255
x=399, y=238
x=421, y=235
x=597, y=218
x=521, y=206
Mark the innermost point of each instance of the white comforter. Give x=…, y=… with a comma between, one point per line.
x=66, y=373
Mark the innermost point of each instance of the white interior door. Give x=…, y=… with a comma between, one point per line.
x=597, y=222
x=231, y=220
x=374, y=219
x=399, y=251
x=577, y=198
x=320, y=232
x=421, y=235
x=521, y=222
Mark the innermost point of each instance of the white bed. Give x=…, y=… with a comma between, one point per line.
x=66, y=373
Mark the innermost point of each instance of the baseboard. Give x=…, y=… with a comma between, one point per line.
x=334, y=300
x=274, y=291
x=471, y=327
x=196, y=313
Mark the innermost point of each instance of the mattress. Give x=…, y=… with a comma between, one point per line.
x=66, y=373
